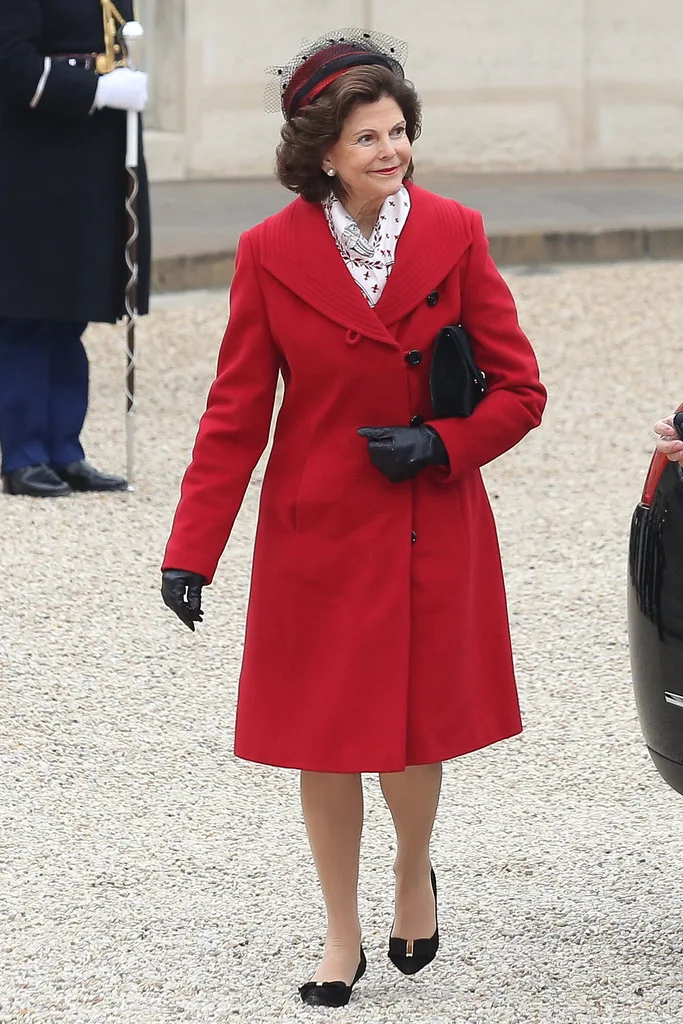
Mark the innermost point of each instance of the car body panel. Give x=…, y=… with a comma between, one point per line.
x=655, y=616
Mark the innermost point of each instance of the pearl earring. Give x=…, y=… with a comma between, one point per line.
x=331, y=172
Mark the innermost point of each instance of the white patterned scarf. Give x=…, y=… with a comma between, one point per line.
x=369, y=260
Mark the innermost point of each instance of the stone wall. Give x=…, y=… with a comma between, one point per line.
x=529, y=85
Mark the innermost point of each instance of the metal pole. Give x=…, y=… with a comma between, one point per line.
x=132, y=31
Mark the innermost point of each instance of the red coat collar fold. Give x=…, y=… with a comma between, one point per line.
x=297, y=248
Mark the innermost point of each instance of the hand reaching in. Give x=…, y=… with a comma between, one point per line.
x=669, y=441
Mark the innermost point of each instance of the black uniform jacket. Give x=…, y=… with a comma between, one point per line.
x=62, y=175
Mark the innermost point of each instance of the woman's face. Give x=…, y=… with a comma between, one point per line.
x=372, y=154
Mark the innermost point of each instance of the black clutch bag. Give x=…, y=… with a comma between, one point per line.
x=456, y=383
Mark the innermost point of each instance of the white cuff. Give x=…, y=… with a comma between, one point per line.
x=47, y=67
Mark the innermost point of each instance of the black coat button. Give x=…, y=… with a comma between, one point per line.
x=413, y=537
x=414, y=357
x=432, y=298
x=417, y=421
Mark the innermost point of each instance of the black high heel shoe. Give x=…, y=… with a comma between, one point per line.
x=411, y=955
x=332, y=993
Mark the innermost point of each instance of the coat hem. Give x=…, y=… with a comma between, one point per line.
x=303, y=764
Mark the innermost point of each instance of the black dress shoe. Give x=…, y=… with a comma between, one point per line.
x=36, y=481
x=81, y=476
x=331, y=993
x=411, y=955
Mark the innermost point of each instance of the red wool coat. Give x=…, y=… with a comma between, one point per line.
x=377, y=633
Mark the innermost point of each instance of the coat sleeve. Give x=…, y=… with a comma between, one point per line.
x=233, y=432
x=27, y=78
x=515, y=398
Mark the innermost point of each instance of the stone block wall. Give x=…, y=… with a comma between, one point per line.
x=534, y=85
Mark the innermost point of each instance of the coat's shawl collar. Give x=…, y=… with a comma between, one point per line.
x=435, y=236
x=297, y=248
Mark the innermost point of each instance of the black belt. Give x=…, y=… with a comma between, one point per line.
x=75, y=60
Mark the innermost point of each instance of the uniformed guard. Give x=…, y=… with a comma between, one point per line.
x=64, y=91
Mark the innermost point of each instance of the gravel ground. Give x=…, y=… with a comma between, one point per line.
x=148, y=877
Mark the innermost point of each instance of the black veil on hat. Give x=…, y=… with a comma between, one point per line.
x=317, y=64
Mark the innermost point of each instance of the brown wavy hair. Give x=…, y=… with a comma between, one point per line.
x=306, y=138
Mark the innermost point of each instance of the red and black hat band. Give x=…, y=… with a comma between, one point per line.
x=303, y=89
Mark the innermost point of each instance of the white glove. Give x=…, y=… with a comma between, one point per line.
x=122, y=89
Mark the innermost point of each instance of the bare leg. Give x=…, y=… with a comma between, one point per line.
x=413, y=797
x=333, y=812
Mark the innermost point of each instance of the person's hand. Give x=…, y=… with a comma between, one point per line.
x=122, y=89
x=174, y=584
x=401, y=452
x=668, y=442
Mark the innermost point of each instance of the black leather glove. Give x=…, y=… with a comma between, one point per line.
x=401, y=452
x=174, y=583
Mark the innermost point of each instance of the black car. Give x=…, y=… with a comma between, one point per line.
x=655, y=613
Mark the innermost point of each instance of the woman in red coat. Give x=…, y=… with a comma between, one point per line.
x=377, y=636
